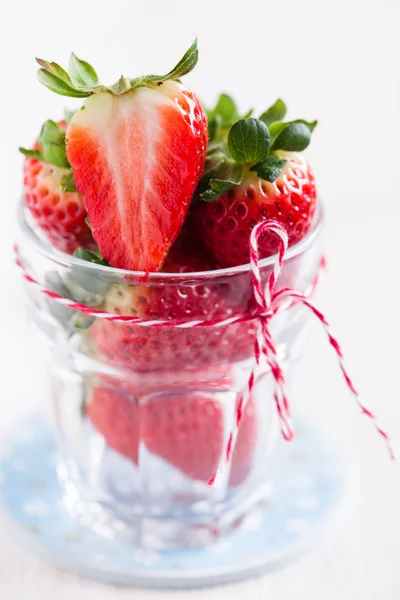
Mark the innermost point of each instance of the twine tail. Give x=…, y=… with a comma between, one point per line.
x=349, y=382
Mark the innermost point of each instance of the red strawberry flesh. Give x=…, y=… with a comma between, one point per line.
x=137, y=159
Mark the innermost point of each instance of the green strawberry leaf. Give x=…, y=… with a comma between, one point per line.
x=55, y=70
x=69, y=318
x=79, y=285
x=216, y=189
x=269, y=168
x=249, y=141
x=310, y=124
x=85, y=288
x=184, y=66
x=215, y=148
x=68, y=183
x=121, y=87
x=82, y=73
x=214, y=127
x=224, y=177
x=93, y=257
x=59, y=86
x=248, y=114
x=209, y=173
x=55, y=155
x=51, y=133
x=216, y=157
x=31, y=153
x=52, y=140
x=276, y=128
x=83, y=80
x=225, y=109
x=276, y=112
x=294, y=137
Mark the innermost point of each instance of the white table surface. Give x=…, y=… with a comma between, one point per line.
x=337, y=62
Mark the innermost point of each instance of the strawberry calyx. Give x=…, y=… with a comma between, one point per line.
x=52, y=150
x=80, y=286
x=81, y=80
x=240, y=144
x=52, y=146
x=92, y=257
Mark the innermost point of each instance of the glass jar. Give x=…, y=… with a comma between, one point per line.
x=143, y=413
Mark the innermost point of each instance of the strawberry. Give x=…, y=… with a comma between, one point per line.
x=254, y=171
x=186, y=430
x=227, y=222
x=59, y=213
x=137, y=149
x=115, y=415
x=170, y=348
x=188, y=254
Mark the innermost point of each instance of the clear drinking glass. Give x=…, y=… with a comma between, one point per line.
x=143, y=414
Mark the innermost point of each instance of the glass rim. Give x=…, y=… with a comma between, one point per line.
x=67, y=260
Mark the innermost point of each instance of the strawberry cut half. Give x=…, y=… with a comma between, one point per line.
x=137, y=150
x=136, y=162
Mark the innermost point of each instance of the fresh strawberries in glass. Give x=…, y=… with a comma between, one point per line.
x=156, y=198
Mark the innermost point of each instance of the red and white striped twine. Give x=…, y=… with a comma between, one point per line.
x=269, y=303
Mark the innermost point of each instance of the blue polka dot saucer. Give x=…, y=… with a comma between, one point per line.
x=306, y=487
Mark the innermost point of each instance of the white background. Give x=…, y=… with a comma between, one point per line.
x=338, y=62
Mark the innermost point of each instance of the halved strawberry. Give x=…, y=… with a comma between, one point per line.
x=137, y=149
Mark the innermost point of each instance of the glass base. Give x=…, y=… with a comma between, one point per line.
x=156, y=495
x=299, y=501
x=185, y=529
